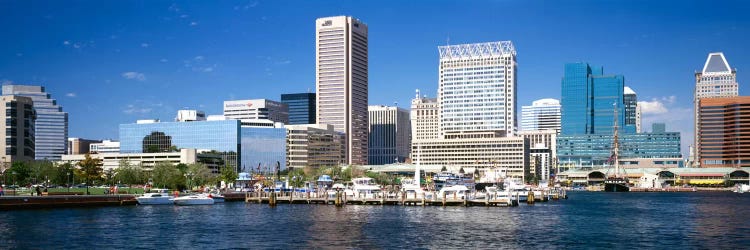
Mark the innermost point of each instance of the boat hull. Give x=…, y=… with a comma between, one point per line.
x=616, y=187
x=155, y=201
x=193, y=201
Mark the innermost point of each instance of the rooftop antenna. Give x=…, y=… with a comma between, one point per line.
x=395, y=103
x=308, y=90
x=417, y=97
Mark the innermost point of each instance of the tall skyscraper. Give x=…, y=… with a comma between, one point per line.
x=390, y=134
x=51, y=126
x=543, y=114
x=716, y=79
x=630, y=101
x=301, y=107
x=477, y=91
x=341, y=81
x=722, y=145
x=18, y=130
x=425, y=120
x=588, y=101
x=256, y=109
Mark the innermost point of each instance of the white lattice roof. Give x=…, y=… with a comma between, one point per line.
x=476, y=50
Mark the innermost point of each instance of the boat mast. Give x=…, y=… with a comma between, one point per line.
x=616, y=146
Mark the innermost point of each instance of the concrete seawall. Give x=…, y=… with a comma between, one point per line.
x=37, y=202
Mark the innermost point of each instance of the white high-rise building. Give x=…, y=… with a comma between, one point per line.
x=477, y=90
x=258, y=109
x=638, y=122
x=341, y=81
x=543, y=114
x=425, y=120
x=716, y=79
x=390, y=131
x=543, y=146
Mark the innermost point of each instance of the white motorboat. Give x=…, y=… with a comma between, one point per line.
x=412, y=188
x=194, y=199
x=157, y=197
x=742, y=188
x=364, y=188
x=453, y=192
x=218, y=198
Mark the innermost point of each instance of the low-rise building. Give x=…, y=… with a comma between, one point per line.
x=80, y=146
x=111, y=161
x=105, y=146
x=313, y=145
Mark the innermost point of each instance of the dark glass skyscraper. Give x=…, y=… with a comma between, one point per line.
x=51, y=126
x=301, y=107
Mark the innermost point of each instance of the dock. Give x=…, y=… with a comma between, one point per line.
x=393, y=199
x=58, y=201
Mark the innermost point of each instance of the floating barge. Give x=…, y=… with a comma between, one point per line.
x=58, y=201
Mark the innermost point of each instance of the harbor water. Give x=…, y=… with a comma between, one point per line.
x=585, y=220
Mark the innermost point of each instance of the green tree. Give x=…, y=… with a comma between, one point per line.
x=228, y=175
x=199, y=175
x=42, y=171
x=296, y=177
x=19, y=173
x=64, y=174
x=90, y=169
x=168, y=175
x=130, y=174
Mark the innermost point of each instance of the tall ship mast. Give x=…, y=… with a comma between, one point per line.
x=616, y=182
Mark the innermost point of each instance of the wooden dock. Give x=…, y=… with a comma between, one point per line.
x=393, y=199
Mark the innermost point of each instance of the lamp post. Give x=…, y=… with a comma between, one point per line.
x=68, y=180
x=15, y=192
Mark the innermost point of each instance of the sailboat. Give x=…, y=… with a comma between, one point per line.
x=618, y=182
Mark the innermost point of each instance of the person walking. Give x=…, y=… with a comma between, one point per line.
x=1, y=190
x=38, y=191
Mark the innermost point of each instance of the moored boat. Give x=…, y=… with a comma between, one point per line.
x=194, y=199
x=157, y=197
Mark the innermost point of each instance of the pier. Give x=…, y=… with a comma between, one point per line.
x=57, y=201
x=394, y=199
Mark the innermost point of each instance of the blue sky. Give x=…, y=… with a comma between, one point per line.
x=112, y=62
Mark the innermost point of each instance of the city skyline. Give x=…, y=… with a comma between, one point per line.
x=657, y=51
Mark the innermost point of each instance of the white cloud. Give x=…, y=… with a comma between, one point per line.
x=72, y=95
x=198, y=58
x=193, y=23
x=66, y=42
x=132, y=109
x=134, y=76
x=652, y=107
x=164, y=60
x=145, y=45
x=184, y=16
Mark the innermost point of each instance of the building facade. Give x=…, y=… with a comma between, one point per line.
x=257, y=109
x=425, y=118
x=341, y=81
x=510, y=154
x=111, y=161
x=105, y=146
x=724, y=131
x=18, y=130
x=716, y=79
x=477, y=88
x=595, y=150
x=390, y=133
x=313, y=145
x=630, y=102
x=543, y=114
x=543, y=146
x=241, y=147
x=301, y=107
x=78, y=146
x=51, y=126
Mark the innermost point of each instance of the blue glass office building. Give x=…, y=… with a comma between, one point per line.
x=588, y=101
x=51, y=125
x=264, y=147
x=596, y=149
x=233, y=142
x=301, y=107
